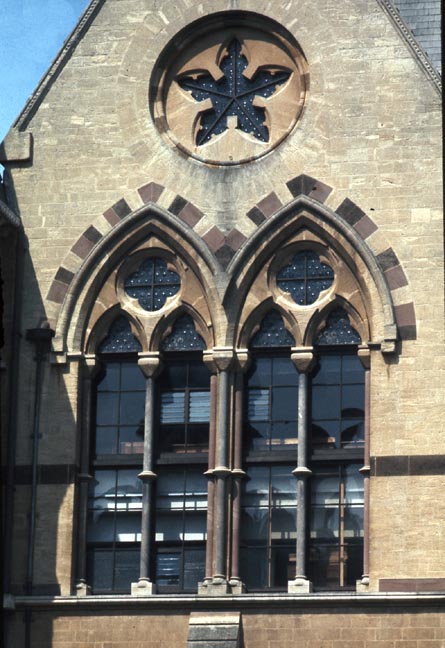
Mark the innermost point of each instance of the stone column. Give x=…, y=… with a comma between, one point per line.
x=88, y=370
x=365, y=358
x=209, y=474
x=243, y=360
x=223, y=359
x=150, y=366
x=304, y=360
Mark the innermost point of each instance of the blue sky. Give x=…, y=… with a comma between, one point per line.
x=31, y=34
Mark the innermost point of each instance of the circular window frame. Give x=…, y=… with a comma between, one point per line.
x=174, y=53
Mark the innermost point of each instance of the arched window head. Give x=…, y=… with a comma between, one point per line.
x=338, y=330
x=305, y=277
x=272, y=333
x=152, y=284
x=184, y=336
x=120, y=338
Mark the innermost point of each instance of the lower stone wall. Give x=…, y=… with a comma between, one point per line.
x=339, y=627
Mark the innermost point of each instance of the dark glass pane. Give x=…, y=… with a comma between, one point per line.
x=283, y=523
x=195, y=525
x=132, y=408
x=353, y=484
x=353, y=401
x=260, y=374
x=353, y=522
x=199, y=375
x=174, y=375
x=120, y=338
x=107, y=409
x=352, y=370
x=305, y=277
x=258, y=436
x=284, y=434
x=354, y=562
x=256, y=486
x=254, y=524
x=284, y=404
x=128, y=526
x=282, y=566
x=168, y=567
x=284, y=372
x=194, y=566
x=103, y=489
x=106, y=440
x=314, y=287
x=100, y=569
x=272, y=333
x=328, y=371
x=258, y=404
x=353, y=433
x=126, y=568
x=325, y=402
x=131, y=440
x=132, y=378
x=172, y=438
x=183, y=337
x=169, y=526
x=129, y=486
x=254, y=567
x=198, y=438
x=100, y=526
x=325, y=433
x=110, y=381
x=325, y=490
x=284, y=486
x=325, y=524
x=324, y=561
x=172, y=407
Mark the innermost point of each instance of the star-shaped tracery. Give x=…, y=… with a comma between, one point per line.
x=233, y=96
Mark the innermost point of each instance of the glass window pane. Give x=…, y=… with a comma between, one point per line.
x=174, y=375
x=172, y=407
x=284, y=434
x=353, y=485
x=199, y=406
x=325, y=524
x=284, y=372
x=106, y=440
x=256, y=437
x=256, y=487
x=194, y=566
x=324, y=563
x=126, y=568
x=132, y=378
x=353, y=522
x=254, y=567
x=283, y=524
x=258, y=404
x=128, y=527
x=195, y=526
x=172, y=438
x=284, y=486
x=260, y=374
x=283, y=566
x=132, y=408
x=352, y=369
x=327, y=371
x=168, y=566
x=325, y=490
x=100, y=569
x=353, y=433
x=131, y=440
x=169, y=526
x=199, y=375
x=325, y=402
x=103, y=489
x=254, y=524
x=284, y=404
x=353, y=401
x=100, y=526
x=325, y=433
x=198, y=437
x=354, y=562
x=110, y=381
x=107, y=408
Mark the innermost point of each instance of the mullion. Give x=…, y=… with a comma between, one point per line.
x=114, y=530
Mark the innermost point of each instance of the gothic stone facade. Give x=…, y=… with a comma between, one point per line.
x=259, y=183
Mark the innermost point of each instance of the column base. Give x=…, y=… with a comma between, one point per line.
x=143, y=588
x=217, y=586
x=82, y=589
x=299, y=586
x=237, y=586
x=362, y=585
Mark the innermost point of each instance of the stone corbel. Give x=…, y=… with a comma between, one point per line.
x=303, y=358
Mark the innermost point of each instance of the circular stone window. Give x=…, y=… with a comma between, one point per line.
x=229, y=88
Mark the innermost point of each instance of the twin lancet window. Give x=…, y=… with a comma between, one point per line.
x=154, y=492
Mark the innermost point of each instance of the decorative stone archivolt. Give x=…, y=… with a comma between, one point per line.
x=232, y=91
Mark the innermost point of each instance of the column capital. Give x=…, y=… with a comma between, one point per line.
x=147, y=475
x=303, y=358
x=90, y=365
x=302, y=471
x=150, y=363
x=219, y=358
x=364, y=355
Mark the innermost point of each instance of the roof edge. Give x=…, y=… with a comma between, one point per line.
x=58, y=63
x=417, y=50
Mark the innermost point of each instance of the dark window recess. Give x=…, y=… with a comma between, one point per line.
x=305, y=277
x=184, y=336
x=120, y=405
x=336, y=526
x=120, y=338
x=233, y=96
x=338, y=402
x=272, y=333
x=271, y=405
x=152, y=283
x=114, y=529
x=268, y=527
x=184, y=407
x=181, y=510
x=338, y=330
